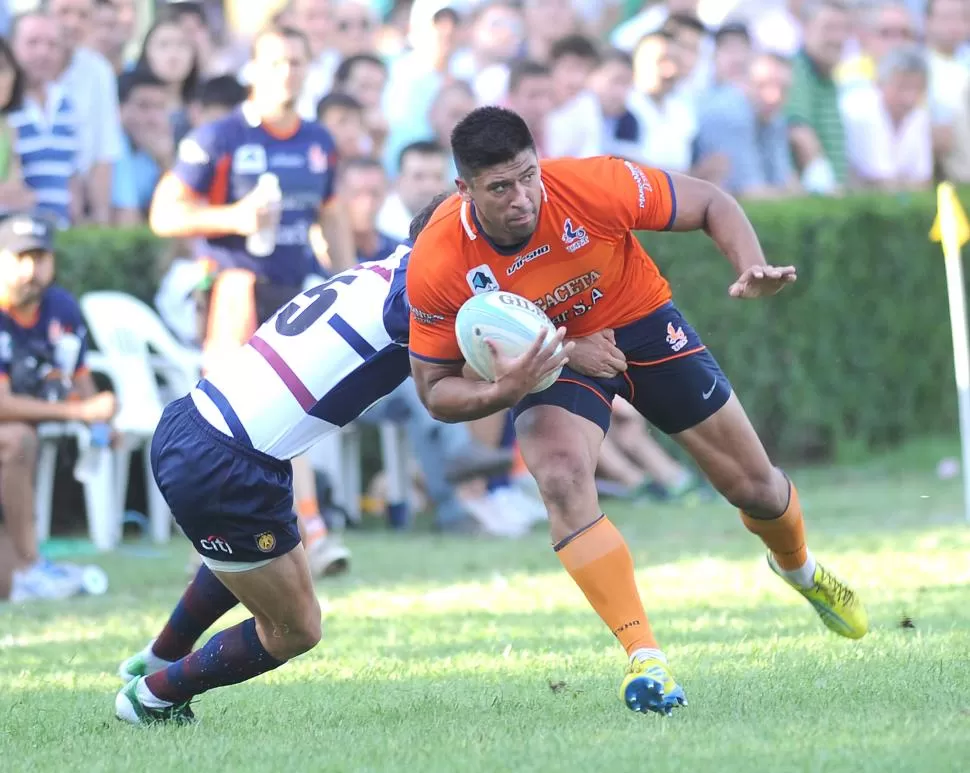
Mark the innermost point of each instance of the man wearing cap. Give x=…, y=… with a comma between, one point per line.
x=39, y=322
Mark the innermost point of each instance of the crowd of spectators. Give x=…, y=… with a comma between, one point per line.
x=765, y=98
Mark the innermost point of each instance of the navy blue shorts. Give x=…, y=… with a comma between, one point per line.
x=233, y=502
x=671, y=378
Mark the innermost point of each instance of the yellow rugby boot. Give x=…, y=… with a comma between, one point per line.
x=649, y=686
x=836, y=603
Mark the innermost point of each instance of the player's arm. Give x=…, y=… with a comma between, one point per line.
x=451, y=398
x=191, y=199
x=645, y=199
x=32, y=410
x=336, y=231
x=702, y=206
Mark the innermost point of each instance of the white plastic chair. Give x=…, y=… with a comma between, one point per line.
x=100, y=502
x=127, y=332
x=339, y=456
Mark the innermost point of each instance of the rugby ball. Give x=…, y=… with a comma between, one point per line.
x=510, y=322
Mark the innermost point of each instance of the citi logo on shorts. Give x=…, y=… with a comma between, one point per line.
x=574, y=237
x=215, y=544
x=676, y=337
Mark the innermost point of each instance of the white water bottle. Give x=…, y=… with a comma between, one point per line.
x=267, y=191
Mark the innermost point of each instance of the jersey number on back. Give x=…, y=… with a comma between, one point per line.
x=295, y=318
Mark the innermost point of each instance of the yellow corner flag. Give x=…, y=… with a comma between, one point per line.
x=949, y=215
x=952, y=230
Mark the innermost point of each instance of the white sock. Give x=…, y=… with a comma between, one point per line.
x=648, y=653
x=804, y=576
x=147, y=698
x=154, y=662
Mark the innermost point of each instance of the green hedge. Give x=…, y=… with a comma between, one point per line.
x=856, y=355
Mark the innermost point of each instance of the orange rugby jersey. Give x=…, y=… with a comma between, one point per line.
x=582, y=265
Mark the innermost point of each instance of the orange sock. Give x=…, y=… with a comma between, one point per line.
x=599, y=561
x=783, y=536
x=308, y=511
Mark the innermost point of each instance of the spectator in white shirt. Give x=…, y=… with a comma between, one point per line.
x=946, y=31
x=91, y=82
x=612, y=84
x=530, y=95
x=694, y=51
x=667, y=118
x=421, y=177
x=888, y=136
x=573, y=128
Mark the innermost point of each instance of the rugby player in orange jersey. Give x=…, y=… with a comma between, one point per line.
x=560, y=233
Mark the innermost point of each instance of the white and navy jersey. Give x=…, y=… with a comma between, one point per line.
x=317, y=364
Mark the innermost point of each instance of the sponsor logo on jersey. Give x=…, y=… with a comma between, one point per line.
x=249, y=159
x=317, y=159
x=528, y=257
x=574, y=237
x=266, y=541
x=191, y=152
x=676, y=337
x=426, y=318
x=481, y=280
x=568, y=289
x=643, y=184
x=287, y=161
x=215, y=545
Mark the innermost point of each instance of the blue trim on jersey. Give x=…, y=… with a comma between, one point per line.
x=673, y=203
x=351, y=336
x=232, y=420
x=437, y=360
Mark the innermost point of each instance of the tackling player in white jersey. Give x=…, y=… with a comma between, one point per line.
x=221, y=459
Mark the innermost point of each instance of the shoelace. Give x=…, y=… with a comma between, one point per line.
x=835, y=589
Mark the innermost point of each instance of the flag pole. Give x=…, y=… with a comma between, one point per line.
x=952, y=230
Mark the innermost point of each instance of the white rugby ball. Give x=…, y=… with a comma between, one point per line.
x=510, y=322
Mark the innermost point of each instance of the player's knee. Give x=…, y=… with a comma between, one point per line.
x=759, y=493
x=306, y=634
x=563, y=475
x=19, y=444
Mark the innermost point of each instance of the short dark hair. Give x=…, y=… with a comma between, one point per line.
x=617, y=56
x=221, y=91
x=488, y=136
x=420, y=220
x=733, y=29
x=134, y=79
x=337, y=100
x=523, y=69
x=105, y=4
x=419, y=148
x=277, y=29
x=446, y=13
x=360, y=162
x=180, y=8
x=346, y=68
x=579, y=46
x=17, y=92
x=685, y=21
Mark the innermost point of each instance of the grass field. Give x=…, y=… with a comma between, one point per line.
x=444, y=655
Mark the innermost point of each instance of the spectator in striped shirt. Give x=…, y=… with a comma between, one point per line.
x=815, y=123
x=46, y=123
x=88, y=78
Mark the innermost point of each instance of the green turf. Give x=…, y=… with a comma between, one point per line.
x=444, y=655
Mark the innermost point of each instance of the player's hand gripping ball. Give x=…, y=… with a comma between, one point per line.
x=510, y=322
